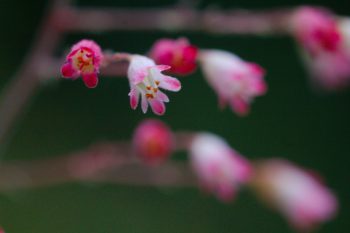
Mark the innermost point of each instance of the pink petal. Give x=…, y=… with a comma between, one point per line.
x=163, y=67
x=240, y=106
x=260, y=87
x=162, y=97
x=68, y=71
x=157, y=106
x=256, y=69
x=170, y=83
x=134, y=98
x=138, y=77
x=144, y=104
x=225, y=192
x=90, y=80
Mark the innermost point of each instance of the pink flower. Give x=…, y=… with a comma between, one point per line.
x=316, y=30
x=235, y=81
x=153, y=141
x=145, y=79
x=84, y=59
x=179, y=54
x=296, y=193
x=325, y=48
x=219, y=168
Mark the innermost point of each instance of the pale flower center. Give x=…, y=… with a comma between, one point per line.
x=149, y=87
x=83, y=61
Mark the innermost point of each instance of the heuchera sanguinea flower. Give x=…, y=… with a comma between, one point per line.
x=298, y=194
x=145, y=79
x=220, y=168
x=179, y=54
x=324, y=47
x=316, y=30
x=153, y=141
x=235, y=81
x=83, y=60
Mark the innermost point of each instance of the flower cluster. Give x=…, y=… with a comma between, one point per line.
x=220, y=169
x=295, y=192
x=236, y=82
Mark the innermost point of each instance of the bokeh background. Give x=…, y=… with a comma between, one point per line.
x=292, y=121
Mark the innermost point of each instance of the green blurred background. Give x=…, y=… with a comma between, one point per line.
x=292, y=121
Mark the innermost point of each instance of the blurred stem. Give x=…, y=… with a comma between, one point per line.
x=102, y=162
x=22, y=86
x=237, y=21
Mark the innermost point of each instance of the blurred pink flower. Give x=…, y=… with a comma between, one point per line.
x=325, y=48
x=219, y=168
x=296, y=193
x=235, y=81
x=153, y=141
x=84, y=59
x=316, y=30
x=179, y=54
x=145, y=79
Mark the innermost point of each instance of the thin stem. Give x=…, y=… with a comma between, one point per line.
x=179, y=19
x=18, y=92
x=102, y=162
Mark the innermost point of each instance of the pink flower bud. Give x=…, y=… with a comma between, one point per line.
x=145, y=79
x=179, y=54
x=325, y=48
x=296, y=193
x=315, y=29
x=84, y=59
x=153, y=141
x=219, y=168
x=235, y=81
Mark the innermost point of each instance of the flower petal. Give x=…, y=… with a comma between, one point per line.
x=138, y=77
x=144, y=104
x=90, y=80
x=134, y=98
x=170, y=83
x=240, y=106
x=68, y=71
x=157, y=106
x=162, y=67
x=162, y=97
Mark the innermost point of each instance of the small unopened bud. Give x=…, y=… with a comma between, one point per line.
x=179, y=54
x=153, y=141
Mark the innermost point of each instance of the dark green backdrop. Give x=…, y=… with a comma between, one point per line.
x=291, y=121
